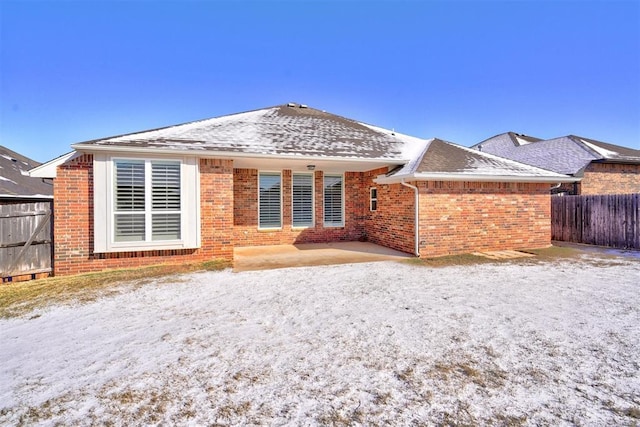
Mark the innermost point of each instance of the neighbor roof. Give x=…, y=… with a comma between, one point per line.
x=442, y=160
x=15, y=182
x=284, y=130
x=567, y=154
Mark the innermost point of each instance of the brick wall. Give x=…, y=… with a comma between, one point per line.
x=392, y=223
x=463, y=217
x=610, y=178
x=73, y=221
x=246, y=233
x=455, y=217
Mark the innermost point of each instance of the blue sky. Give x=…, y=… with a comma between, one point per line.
x=463, y=71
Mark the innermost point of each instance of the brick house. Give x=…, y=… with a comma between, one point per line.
x=598, y=167
x=284, y=175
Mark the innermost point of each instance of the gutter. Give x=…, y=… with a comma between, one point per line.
x=417, y=217
x=473, y=178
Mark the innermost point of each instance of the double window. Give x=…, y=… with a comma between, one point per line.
x=270, y=200
x=147, y=201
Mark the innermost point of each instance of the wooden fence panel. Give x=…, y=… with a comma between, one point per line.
x=607, y=220
x=25, y=238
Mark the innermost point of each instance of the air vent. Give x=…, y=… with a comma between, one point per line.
x=291, y=104
x=303, y=105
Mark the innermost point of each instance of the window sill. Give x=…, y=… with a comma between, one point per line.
x=301, y=227
x=268, y=230
x=142, y=247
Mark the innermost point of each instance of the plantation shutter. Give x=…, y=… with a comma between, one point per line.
x=270, y=200
x=333, y=215
x=129, y=201
x=165, y=200
x=302, y=200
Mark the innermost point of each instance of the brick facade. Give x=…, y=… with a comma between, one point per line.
x=610, y=178
x=463, y=217
x=455, y=217
x=73, y=221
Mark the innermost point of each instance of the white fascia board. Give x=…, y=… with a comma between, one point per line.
x=230, y=154
x=49, y=169
x=396, y=179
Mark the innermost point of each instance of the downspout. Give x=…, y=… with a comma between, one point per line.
x=417, y=217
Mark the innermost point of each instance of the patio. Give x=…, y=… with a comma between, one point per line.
x=309, y=254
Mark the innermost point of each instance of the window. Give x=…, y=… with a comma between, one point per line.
x=373, y=199
x=333, y=201
x=147, y=203
x=270, y=200
x=302, y=200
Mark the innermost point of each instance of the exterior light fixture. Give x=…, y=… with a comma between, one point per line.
x=311, y=167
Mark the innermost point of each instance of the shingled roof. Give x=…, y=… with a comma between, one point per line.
x=567, y=154
x=15, y=183
x=296, y=135
x=284, y=130
x=443, y=160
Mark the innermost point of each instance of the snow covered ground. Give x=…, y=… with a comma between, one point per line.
x=381, y=343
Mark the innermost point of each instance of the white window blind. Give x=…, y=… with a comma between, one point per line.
x=129, y=201
x=302, y=200
x=270, y=200
x=165, y=182
x=333, y=201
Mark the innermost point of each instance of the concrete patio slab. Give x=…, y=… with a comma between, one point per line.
x=282, y=256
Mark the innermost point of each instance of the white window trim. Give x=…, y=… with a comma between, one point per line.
x=281, y=201
x=324, y=220
x=313, y=200
x=371, y=199
x=103, y=202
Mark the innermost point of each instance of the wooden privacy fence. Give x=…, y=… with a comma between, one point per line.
x=25, y=239
x=607, y=220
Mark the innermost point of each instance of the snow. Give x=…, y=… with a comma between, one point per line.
x=2, y=178
x=522, y=141
x=525, y=342
x=607, y=154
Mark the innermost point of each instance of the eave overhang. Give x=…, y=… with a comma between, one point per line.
x=245, y=160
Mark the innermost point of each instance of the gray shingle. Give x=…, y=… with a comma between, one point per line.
x=14, y=181
x=280, y=130
x=566, y=155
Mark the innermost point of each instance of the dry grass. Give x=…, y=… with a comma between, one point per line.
x=22, y=297
x=552, y=253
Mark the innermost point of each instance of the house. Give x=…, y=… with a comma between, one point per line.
x=599, y=167
x=15, y=183
x=284, y=175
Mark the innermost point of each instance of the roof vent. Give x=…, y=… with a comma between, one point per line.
x=303, y=105
x=291, y=104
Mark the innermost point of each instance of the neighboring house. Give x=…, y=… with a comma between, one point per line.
x=599, y=168
x=283, y=175
x=15, y=183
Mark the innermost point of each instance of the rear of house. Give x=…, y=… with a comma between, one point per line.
x=285, y=175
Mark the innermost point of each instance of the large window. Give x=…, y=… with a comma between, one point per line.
x=147, y=201
x=333, y=201
x=270, y=200
x=302, y=200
